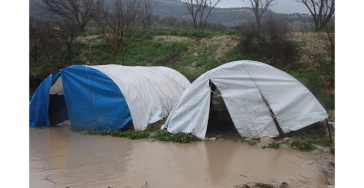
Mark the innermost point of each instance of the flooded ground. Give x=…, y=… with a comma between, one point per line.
x=61, y=158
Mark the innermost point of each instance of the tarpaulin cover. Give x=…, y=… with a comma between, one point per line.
x=110, y=96
x=244, y=85
x=150, y=92
x=93, y=99
x=38, y=107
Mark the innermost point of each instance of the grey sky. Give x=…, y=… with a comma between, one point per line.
x=283, y=6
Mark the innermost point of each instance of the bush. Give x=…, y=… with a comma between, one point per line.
x=271, y=43
x=164, y=135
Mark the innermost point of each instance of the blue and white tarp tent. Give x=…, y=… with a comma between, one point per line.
x=106, y=96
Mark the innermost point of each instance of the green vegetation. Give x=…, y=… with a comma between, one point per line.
x=130, y=134
x=76, y=129
x=263, y=185
x=305, y=145
x=164, y=135
x=191, y=58
x=284, y=185
x=308, y=145
x=273, y=145
x=252, y=143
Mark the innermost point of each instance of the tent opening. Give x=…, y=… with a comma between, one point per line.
x=57, y=109
x=219, y=121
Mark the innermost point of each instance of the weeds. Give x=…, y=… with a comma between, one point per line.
x=273, y=145
x=76, y=129
x=252, y=143
x=263, y=185
x=305, y=145
x=130, y=134
x=284, y=185
x=308, y=145
x=164, y=135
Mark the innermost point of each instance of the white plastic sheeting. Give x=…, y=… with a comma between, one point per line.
x=150, y=92
x=57, y=87
x=243, y=86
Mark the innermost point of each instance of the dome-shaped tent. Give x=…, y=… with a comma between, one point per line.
x=255, y=95
x=106, y=96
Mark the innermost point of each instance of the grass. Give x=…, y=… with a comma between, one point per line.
x=273, y=145
x=141, y=50
x=164, y=135
x=309, y=145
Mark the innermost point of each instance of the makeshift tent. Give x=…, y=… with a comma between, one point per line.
x=107, y=96
x=255, y=95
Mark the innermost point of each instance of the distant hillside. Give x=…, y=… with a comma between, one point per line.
x=227, y=16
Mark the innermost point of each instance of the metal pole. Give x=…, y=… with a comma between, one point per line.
x=328, y=127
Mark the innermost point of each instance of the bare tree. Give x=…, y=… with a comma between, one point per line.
x=259, y=8
x=146, y=13
x=116, y=20
x=200, y=10
x=34, y=36
x=321, y=11
x=169, y=20
x=80, y=12
x=66, y=32
x=329, y=44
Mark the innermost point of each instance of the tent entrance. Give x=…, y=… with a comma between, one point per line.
x=219, y=122
x=57, y=109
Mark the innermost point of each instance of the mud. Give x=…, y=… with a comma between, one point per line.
x=61, y=158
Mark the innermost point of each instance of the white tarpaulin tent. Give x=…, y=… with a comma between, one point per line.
x=250, y=90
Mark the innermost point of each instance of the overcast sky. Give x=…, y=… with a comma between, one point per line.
x=283, y=6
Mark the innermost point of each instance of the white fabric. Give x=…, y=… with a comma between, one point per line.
x=150, y=92
x=243, y=84
x=57, y=87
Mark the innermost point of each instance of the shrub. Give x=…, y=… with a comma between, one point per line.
x=271, y=42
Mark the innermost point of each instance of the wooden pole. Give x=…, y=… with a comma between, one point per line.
x=328, y=127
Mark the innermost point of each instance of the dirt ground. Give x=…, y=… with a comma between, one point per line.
x=311, y=43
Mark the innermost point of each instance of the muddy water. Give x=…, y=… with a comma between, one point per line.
x=73, y=160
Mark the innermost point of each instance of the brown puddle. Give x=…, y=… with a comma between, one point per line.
x=73, y=160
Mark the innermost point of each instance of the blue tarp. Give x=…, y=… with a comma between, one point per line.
x=92, y=98
x=38, y=107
